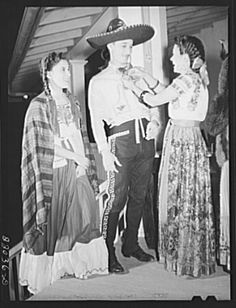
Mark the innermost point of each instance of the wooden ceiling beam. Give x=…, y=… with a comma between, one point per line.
x=199, y=14
x=29, y=24
x=82, y=50
x=68, y=13
x=25, y=68
x=53, y=38
x=26, y=71
x=39, y=56
x=26, y=77
x=202, y=21
x=45, y=48
x=63, y=26
x=30, y=78
x=189, y=31
x=25, y=64
x=174, y=11
x=49, y=8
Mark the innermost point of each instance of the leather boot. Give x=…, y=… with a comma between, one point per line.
x=113, y=265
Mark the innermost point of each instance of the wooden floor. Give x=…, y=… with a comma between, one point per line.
x=145, y=281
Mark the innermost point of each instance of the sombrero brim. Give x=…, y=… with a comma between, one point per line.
x=138, y=33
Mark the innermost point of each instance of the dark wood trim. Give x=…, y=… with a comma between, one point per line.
x=29, y=24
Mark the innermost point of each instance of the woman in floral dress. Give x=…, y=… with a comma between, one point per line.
x=186, y=231
x=59, y=184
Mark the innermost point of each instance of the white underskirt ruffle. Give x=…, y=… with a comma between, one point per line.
x=84, y=260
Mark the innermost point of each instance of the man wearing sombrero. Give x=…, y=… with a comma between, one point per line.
x=128, y=154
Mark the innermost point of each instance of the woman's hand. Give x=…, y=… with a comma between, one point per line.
x=128, y=83
x=81, y=160
x=136, y=73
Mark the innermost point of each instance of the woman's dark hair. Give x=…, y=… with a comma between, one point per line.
x=192, y=46
x=46, y=65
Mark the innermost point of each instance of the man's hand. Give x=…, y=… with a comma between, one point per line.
x=152, y=130
x=110, y=161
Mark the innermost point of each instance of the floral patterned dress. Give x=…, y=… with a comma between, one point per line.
x=186, y=231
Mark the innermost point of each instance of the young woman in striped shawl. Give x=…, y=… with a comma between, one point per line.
x=59, y=184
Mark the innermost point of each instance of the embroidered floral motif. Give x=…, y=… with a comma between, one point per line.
x=194, y=100
x=64, y=114
x=178, y=88
x=175, y=103
x=182, y=85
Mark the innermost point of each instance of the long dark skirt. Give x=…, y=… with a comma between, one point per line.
x=72, y=243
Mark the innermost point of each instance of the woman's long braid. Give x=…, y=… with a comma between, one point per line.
x=46, y=65
x=43, y=73
x=46, y=85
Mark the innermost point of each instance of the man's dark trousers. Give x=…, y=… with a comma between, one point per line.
x=129, y=185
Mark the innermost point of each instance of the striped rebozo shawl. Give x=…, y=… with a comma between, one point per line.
x=37, y=163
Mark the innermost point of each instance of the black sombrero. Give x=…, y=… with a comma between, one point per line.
x=117, y=30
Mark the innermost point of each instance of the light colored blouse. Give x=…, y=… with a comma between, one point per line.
x=192, y=100
x=70, y=137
